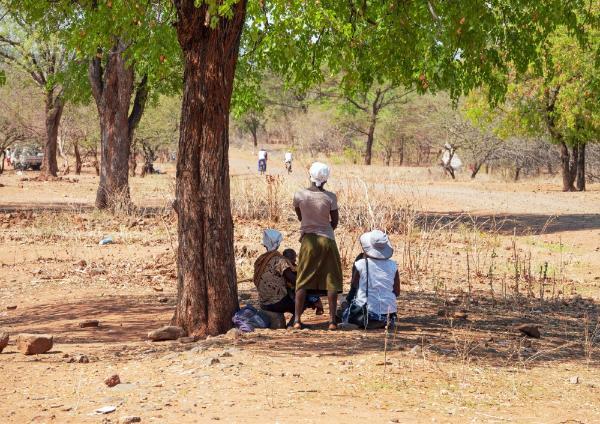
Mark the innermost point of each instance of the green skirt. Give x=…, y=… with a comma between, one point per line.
x=319, y=265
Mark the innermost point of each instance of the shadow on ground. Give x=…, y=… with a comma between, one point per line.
x=122, y=319
x=487, y=335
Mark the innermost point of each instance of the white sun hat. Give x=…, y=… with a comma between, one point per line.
x=376, y=244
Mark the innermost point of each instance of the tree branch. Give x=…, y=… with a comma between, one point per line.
x=139, y=104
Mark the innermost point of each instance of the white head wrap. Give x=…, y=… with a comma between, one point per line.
x=319, y=173
x=272, y=239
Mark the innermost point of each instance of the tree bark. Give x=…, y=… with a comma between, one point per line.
x=517, y=173
x=568, y=163
x=112, y=89
x=133, y=158
x=580, y=171
x=370, y=138
x=54, y=110
x=254, y=136
x=206, y=277
x=402, y=142
x=78, y=162
x=476, y=169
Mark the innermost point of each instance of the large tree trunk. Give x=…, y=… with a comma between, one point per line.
x=113, y=89
x=568, y=163
x=580, y=171
x=206, y=278
x=54, y=110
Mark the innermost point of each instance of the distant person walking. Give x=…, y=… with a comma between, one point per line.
x=262, y=161
x=288, y=162
x=319, y=265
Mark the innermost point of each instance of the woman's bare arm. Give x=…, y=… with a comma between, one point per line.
x=335, y=218
x=299, y=214
x=355, y=279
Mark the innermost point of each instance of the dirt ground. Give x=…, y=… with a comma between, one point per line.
x=431, y=368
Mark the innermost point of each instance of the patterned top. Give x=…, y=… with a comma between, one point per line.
x=271, y=284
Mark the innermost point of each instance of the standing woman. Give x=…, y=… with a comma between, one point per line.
x=319, y=265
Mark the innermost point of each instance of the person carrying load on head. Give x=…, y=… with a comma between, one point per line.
x=319, y=265
x=272, y=274
x=375, y=284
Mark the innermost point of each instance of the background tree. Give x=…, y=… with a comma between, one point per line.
x=33, y=47
x=561, y=104
x=126, y=52
x=365, y=109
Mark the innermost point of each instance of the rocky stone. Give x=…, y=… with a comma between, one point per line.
x=169, y=332
x=277, y=319
x=89, y=323
x=213, y=361
x=81, y=264
x=11, y=307
x=82, y=359
x=113, y=380
x=163, y=299
x=130, y=420
x=226, y=354
x=190, y=339
x=34, y=344
x=574, y=379
x=530, y=330
x=3, y=340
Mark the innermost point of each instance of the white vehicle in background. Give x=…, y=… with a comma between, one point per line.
x=27, y=157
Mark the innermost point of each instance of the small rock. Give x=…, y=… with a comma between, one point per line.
x=530, y=330
x=3, y=340
x=112, y=381
x=34, y=344
x=190, y=339
x=574, y=379
x=130, y=420
x=11, y=307
x=226, y=354
x=158, y=289
x=214, y=361
x=169, y=332
x=106, y=409
x=89, y=323
x=81, y=264
x=82, y=359
x=163, y=299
